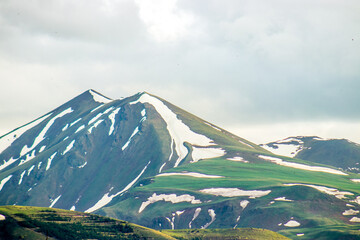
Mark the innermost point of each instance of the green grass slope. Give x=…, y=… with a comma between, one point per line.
x=47, y=223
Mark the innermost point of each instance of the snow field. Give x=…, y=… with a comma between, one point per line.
x=191, y=174
x=292, y=223
x=206, y=153
x=350, y=212
x=168, y=198
x=235, y=192
x=5, y=180
x=179, y=132
x=196, y=214
x=106, y=198
x=99, y=98
x=279, y=161
x=53, y=202
x=330, y=191
x=95, y=125
x=288, y=150
x=355, y=219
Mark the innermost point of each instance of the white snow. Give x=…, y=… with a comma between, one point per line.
x=69, y=147
x=291, y=139
x=94, y=119
x=8, y=139
x=301, y=166
x=355, y=180
x=206, y=153
x=30, y=169
x=354, y=219
x=356, y=200
x=235, y=192
x=168, y=198
x=21, y=176
x=95, y=125
x=350, y=212
x=5, y=180
x=143, y=112
x=349, y=205
x=42, y=134
x=196, y=214
x=327, y=190
x=212, y=215
x=39, y=165
x=191, y=174
x=66, y=127
x=179, y=132
x=72, y=208
x=112, y=119
x=106, y=198
x=300, y=234
x=2, y=217
x=171, y=222
x=288, y=150
x=53, y=202
x=213, y=126
x=82, y=165
x=97, y=108
x=283, y=199
x=99, y=98
x=7, y=163
x=80, y=128
x=75, y=122
x=130, y=138
x=237, y=159
x=292, y=223
x=42, y=149
x=49, y=161
x=162, y=166
x=179, y=212
x=108, y=110
x=28, y=157
x=244, y=203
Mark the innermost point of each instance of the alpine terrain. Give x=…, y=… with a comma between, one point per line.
x=144, y=160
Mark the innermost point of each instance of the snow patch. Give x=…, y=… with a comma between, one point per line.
x=349, y=205
x=212, y=215
x=196, y=214
x=354, y=219
x=5, y=180
x=112, y=119
x=350, y=212
x=94, y=119
x=168, y=198
x=292, y=223
x=162, y=166
x=179, y=132
x=235, y=192
x=21, y=176
x=97, y=108
x=106, y=198
x=72, y=208
x=82, y=165
x=237, y=159
x=75, y=122
x=42, y=134
x=28, y=157
x=69, y=147
x=331, y=191
x=80, y=128
x=179, y=212
x=99, y=98
x=30, y=169
x=283, y=199
x=42, y=149
x=355, y=180
x=95, y=125
x=49, y=161
x=66, y=127
x=191, y=174
x=39, y=165
x=2, y=217
x=300, y=234
x=213, y=126
x=301, y=166
x=8, y=139
x=130, y=138
x=171, y=222
x=206, y=153
x=244, y=203
x=53, y=202
x=288, y=150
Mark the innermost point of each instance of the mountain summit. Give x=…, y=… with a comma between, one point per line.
x=147, y=161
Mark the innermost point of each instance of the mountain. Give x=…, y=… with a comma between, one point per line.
x=144, y=160
x=340, y=153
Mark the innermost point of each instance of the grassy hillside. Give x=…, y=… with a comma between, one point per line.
x=225, y=234
x=48, y=223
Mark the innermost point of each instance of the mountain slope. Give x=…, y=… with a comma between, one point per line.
x=147, y=161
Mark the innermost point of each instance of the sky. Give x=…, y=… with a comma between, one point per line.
x=264, y=70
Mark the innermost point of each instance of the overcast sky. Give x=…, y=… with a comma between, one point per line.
x=262, y=69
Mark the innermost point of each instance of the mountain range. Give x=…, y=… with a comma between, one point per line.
x=144, y=160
